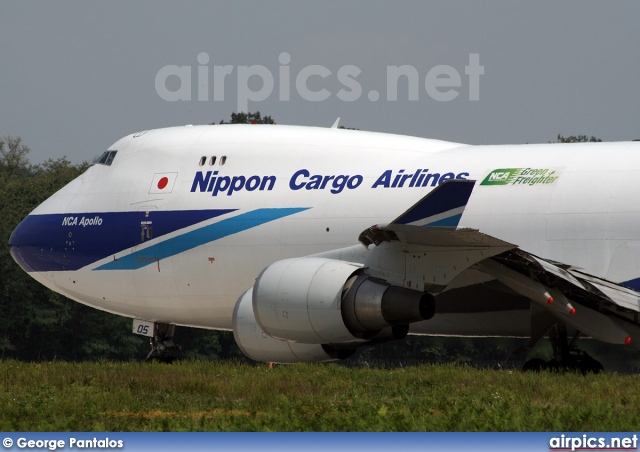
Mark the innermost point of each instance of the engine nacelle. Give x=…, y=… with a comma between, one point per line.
x=325, y=301
x=259, y=346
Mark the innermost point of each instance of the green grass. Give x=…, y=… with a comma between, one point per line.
x=210, y=396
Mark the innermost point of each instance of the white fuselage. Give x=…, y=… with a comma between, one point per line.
x=274, y=198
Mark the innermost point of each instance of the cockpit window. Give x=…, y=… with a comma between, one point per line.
x=110, y=157
x=106, y=158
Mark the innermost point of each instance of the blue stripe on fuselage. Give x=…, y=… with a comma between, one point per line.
x=64, y=242
x=193, y=239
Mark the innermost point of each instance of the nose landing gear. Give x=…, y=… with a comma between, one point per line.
x=163, y=349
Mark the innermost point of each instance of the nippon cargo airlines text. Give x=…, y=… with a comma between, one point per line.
x=216, y=184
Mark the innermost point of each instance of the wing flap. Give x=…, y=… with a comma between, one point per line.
x=592, y=290
x=617, y=294
x=557, y=271
x=608, y=292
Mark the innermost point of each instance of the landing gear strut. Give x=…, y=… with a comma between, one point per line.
x=163, y=349
x=566, y=356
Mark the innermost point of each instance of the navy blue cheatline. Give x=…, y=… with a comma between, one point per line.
x=73, y=241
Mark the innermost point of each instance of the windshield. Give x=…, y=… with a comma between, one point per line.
x=106, y=158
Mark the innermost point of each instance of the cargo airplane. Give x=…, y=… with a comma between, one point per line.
x=309, y=243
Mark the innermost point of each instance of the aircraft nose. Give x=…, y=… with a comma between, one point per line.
x=31, y=247
x=21, y=246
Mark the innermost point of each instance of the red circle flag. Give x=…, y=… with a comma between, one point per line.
x=163, y=182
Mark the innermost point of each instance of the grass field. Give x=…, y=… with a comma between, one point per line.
x=211, y=396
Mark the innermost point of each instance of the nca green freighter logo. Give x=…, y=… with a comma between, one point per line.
x=521, y=176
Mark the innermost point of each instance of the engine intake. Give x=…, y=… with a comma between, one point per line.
x=325, y=301
x=259, y=346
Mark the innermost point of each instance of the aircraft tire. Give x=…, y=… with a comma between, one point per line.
x=534, y=365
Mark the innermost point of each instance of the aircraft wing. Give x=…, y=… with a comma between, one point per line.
x=594, y=306
x=424, y=248
x=607, y=293
x=433, y=221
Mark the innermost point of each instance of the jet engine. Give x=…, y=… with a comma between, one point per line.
x=316, y=309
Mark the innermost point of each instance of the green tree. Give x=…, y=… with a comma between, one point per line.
x=248, y=118
x=257, y=118
x=28, y=310
x=577, y=139
x=35, y=322
x=13, y=157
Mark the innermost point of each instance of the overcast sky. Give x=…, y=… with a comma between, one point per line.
x=76, y=76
